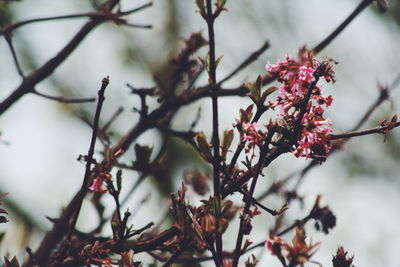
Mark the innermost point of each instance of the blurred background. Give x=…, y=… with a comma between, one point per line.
x=41, y=139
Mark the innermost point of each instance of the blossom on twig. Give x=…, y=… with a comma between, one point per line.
x=298, y=77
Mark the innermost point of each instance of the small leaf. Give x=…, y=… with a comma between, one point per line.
x=268, y=92
x=243, y=116
x=218, y=60
x=258, y=84
x=201, y=6
x=221, y=3
x=204, y=146
x=254, y=99
x=215, y=207
x=226, y=142
x=119, y=180
x=283, y=208
x=115, y=224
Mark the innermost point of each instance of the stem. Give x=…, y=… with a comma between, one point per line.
x=379, y=129
x=215, y=136
x=249, y=197
x=86, y=177
x=239, y=240
x=253, y=57
x=342, y=26
x=65, y=100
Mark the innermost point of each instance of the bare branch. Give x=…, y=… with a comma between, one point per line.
x=65, y=100
x=379, y=129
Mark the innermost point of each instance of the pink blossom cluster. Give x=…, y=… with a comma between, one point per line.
x=101, y=172
x=99, y=182
x=252, y=136
x=297, y=76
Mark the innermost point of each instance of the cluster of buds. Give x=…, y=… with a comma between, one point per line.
x=300, y=100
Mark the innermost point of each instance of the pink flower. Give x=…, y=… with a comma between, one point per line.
x=97, y=185
x=252, y=136
x=296, y=76
x=98, y=182
x=306, y=74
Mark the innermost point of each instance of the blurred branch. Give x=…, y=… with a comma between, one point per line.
x=65, y=100
x=253, y=57
x=28, y=84
x=102, y=15
x=90, y=154
x=364, y=3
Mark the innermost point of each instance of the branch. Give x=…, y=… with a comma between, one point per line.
x=364, y=3
x=152, y=244
x=54, y=236
x=253, y=57
x=14, y=55
x=27, y=86
x=9, y=28
x=245, y=217
x=216, y=159
x=93, y=15
x=379, y=129
x=64, y=99
x=90, y=154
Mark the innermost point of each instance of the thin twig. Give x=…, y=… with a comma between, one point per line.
x=90, y=154
x=112, y=119
x=245, y=216
x=11, y=27
x=176, y=254
x=48, y=68
x=138, y=26
x=253, y=57
x=136, y=9
x=65, y=100
x=262, y=206
x=147, y=245
x=216, y=159
x=14, y=55
x=92, y=15
x=364, y=3
x=379, y=129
